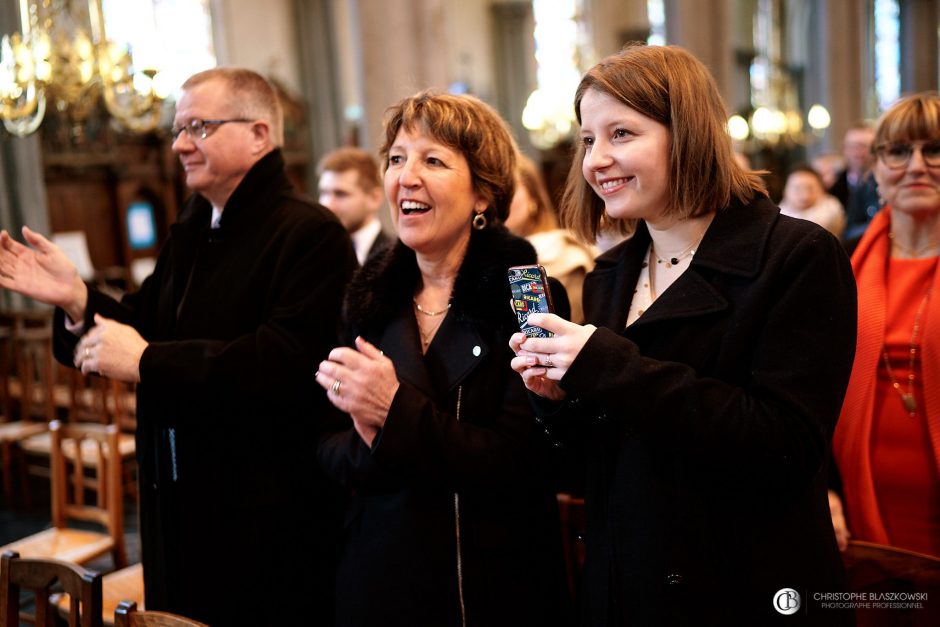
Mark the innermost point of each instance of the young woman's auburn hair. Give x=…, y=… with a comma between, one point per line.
x=671, y=86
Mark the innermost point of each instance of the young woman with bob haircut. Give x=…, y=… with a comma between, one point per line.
x=704, y=391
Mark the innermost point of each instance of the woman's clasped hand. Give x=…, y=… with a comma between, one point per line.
x=362, y=383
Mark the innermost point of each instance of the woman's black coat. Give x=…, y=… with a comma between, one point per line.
x=707, y=424
x=459, y=436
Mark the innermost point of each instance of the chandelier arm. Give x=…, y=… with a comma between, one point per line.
x=26, y=125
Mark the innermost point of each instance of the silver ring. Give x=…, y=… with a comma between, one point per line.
x=335, y=387
x=548, y=362
x=87, y=352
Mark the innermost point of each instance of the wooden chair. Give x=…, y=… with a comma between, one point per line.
x=125, y=585
x=72, y=477
x=13, y=432
x=34, y=386
x=106, y=401
x=38, y=575
x=127, y=615
x=875, y=568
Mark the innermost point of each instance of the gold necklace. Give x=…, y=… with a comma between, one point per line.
x=689, y=251
x=910, y=403
x=674, y=260
x=427, y=312
x=427, y=337
x=914, y=253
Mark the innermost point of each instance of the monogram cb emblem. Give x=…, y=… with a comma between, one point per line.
x=787, y=601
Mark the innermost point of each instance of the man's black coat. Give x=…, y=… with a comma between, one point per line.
x=236, y=516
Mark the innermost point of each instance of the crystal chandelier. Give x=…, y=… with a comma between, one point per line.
x=56, y=61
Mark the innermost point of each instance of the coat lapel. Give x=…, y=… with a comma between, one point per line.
x=615, y=284
x=691, y=295
x=183, y=238
x=454, y=352
x=400, y=343
x=727, y=248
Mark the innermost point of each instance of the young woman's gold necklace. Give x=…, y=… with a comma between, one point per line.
x=910, y=403
x=673, y=260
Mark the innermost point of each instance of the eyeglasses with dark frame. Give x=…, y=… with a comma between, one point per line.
x=897, y=155
x=199, y=129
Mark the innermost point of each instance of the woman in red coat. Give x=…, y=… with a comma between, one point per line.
x=887, y=445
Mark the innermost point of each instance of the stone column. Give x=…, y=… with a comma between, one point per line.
x=919, y=23
x=839, y=66
x=615, y=23
x=706, y=30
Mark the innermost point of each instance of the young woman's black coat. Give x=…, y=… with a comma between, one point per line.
x=707, y=422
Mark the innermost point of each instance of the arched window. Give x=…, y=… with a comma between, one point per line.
x=887, y=52
x=656, y=10
x=171, y=36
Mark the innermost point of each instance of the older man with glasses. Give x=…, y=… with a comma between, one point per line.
x=222, y=340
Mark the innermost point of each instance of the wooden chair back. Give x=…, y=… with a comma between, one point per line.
x=35, y=365
x=86, y=458
x=97, y=399
x=38, y=576
x=127, y=615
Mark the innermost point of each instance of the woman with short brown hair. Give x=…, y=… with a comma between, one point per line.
x=452, y=519
x=705, y=389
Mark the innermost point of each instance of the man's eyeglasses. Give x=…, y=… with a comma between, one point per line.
x=898, y=155
x=199, y=129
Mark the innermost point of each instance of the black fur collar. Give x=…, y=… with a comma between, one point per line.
x=387, y=283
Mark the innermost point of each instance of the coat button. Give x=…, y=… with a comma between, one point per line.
x=674, y=579
x=476, y=351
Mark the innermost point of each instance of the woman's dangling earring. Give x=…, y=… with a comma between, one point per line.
x=479, y=221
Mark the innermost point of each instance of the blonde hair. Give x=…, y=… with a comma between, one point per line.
x=913, y=117
x=249, y=96
x=469, y=126
x=671, y=86
x=531, y=179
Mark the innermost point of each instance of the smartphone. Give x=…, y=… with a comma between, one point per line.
x=530, y=294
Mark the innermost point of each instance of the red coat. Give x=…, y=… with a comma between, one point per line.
x=852, y=442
